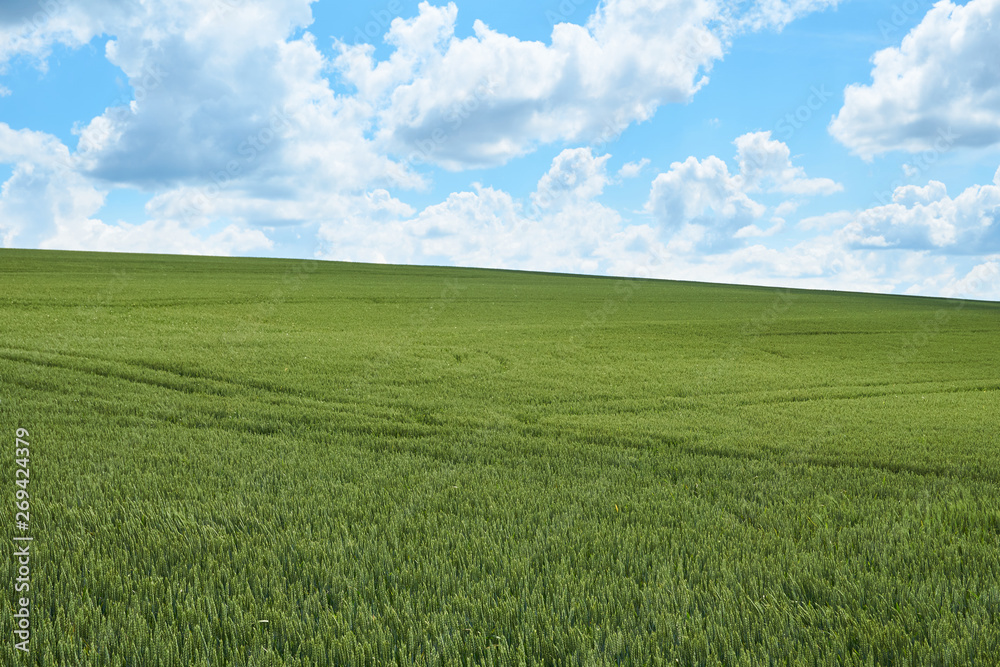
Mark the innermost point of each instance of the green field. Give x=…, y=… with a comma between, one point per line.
x=428, y=466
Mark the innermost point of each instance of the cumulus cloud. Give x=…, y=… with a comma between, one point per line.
x=48, y=203
x=632, y=169
x=576, y=233
x=982, y=282
x=926, y=218
x=232, y=121
x=30, y=147
x=235, y=128
x=779, y=13
x=161, y=237
x=575, y=175
x=701, y=191
x=766, y=164
x=490, y=97
x=705, y=193
x=44, y=192
x=227, y=92
x=563, y=229
x=483, y=100
x=940, y=87
x=31, y=28
x=752, y=231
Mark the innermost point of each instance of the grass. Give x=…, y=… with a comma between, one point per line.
x=425, y=466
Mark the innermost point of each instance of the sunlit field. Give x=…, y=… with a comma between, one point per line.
x=270, y=462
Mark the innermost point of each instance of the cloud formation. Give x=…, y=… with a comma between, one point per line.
x=561, y=226
x=30, y=28
x=244, y=133
x=776, y=14
x=44, y=193
x=234, y=127
x=766, y=165
x=488, y=98
x=704, y=193
x=942, y=80
x=926, y=218
x=47, y=203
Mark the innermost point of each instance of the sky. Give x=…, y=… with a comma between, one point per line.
x=846, y=145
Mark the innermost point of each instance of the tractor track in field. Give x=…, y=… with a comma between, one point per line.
x=780, y=457
x=848, y=393
x=161, y=377
x=390, y=420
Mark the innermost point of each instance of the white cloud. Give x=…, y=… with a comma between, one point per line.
x=490, y=228
x=234, y=121
x=926, y=218
x=632, y=169
x=31, y=27
x=30, y=147
x=787, y=207
x=161, y=237
x=982, y=282
x=779, y=13
x=701, y=192
x=826, y=220
x=43, y=192
x=704, y=192
x=564, y=229
x=766, y=164
x=228, y=89
x=488, y=98
x=910, y=195
x=939, y=88
x=933, y=275
x=47, y=203
x=236, y=130
x=231, y=122
x=754, y=231
x=576, y=175
x=829, y=262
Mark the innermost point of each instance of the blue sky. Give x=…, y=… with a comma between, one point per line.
x=849, y=145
